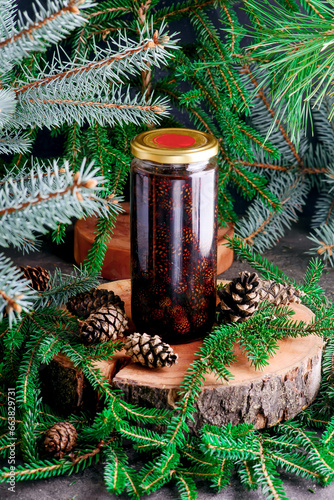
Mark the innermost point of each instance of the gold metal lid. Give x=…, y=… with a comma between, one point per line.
x=174, y=145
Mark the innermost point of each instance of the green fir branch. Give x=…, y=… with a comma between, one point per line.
x=247, y=475
x=103, y=233
x=266, y=268
x=185, y=485
x=54, y=22
x=118, y=476
x=63, y=286
x=30, y=431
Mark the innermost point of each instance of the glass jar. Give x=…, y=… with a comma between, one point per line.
x=174, y=178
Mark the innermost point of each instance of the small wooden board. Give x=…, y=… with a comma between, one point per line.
x=277, y=393
x=116, y=264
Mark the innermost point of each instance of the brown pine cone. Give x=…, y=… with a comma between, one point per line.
x=107, y=323
x=38, y=276
x=149, y=350
x=240, y=298
x=279, y=293
x=181, y=325
x=60, y=439
x=85, y=303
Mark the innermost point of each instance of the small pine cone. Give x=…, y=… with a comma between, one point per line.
x=241, y=297
x=38, y=276
x=85, y=303
x=149, y=351
x=181, y=325
x=279, y=293
x=200, y=318
x=60, y=439
x=107, y=323
x=177, y=311
x=157, y=314
x=165, y=303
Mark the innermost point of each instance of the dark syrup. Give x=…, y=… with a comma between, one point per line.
x=174, y=251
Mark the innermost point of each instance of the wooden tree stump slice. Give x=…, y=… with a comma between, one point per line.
x=278, y=392
x=116, y=264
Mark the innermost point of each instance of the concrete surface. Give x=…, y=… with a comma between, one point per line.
x=289, y=255
x=89, y=485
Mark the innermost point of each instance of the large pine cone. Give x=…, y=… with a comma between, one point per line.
x=107, y=323
x=241, y=297
x=149, y=351
x=38, y=276
x=85, y=303
x=60, y=439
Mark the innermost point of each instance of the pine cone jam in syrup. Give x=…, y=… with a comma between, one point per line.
x=174, y=178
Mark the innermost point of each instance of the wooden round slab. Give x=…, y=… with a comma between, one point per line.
x=278, y=392
x=116, y=264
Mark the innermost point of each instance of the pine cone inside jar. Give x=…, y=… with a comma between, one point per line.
x=105, y=324
x=60, y=439
x=38, y=276
x=240, y=298
x=149, y=350
x=84, y=303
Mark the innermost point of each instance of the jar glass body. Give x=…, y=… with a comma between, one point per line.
x=174, y=248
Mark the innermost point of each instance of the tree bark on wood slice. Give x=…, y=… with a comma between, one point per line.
x=286, y=386
x=116, y=265
x=65, y=388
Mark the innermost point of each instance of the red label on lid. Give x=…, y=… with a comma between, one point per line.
x=174, y=140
